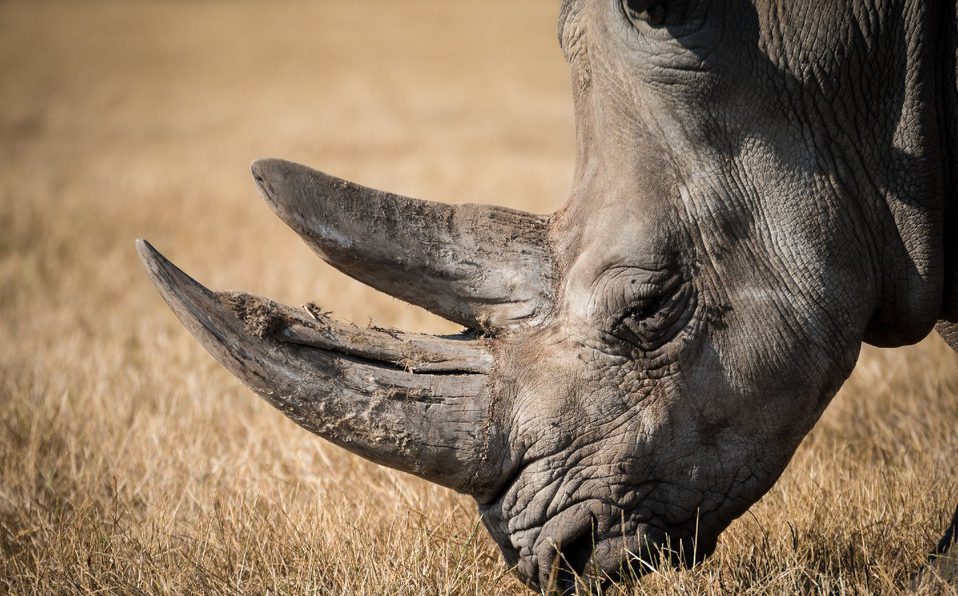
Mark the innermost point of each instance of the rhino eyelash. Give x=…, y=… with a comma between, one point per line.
x=639, y=318
x=644, y=311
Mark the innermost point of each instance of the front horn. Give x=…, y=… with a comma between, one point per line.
x=417, y=403
x=487, y=268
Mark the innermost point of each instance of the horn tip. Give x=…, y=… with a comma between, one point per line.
x=260, y=167
x=272, y=168
x=272, y=177
x=297, y=194
x=173, y=284
x=151, y=258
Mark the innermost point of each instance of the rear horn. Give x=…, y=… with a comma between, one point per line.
x=487, y=268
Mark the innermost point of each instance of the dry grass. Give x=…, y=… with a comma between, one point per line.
x=131, y=462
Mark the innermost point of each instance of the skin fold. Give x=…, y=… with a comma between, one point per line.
x=760, y=187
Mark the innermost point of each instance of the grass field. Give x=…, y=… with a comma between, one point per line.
x=131, y=462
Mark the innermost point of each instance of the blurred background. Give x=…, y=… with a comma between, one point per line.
x=130, y=461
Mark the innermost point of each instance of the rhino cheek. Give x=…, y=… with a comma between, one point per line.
x=666, y=461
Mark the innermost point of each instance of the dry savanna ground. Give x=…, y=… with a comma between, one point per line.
x=131, y=462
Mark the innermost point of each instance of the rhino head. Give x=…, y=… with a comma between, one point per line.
x=758, y=189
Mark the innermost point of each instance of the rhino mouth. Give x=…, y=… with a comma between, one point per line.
x=603, y=561
x=594, y=543
x=415, y=402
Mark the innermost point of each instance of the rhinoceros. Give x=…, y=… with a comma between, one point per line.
x=761, y=186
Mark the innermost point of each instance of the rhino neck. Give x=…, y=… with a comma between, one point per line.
x=949, y=310
x=916, y=172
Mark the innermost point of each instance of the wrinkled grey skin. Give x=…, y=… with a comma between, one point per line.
x=760, y=187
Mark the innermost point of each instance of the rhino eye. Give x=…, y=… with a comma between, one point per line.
x=649, y=323
x=643, y=310
x=644, y=11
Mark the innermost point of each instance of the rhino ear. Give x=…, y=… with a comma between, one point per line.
x=651, y=12
x=486, y=268
x=637, y=7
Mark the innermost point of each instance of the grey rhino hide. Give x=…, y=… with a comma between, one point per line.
x=760, y=187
